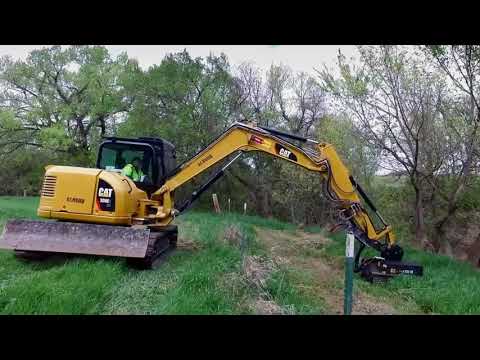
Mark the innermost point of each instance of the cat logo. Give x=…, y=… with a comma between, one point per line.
x=284, y=152
x=102, y=192
x=105, y=196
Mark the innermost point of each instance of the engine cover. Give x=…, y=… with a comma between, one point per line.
x=88, y=195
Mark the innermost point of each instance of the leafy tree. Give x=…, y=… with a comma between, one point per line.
x=63, y=100
x=184, y=100
x=396, y=104
x=461, y=65
x=295, y=103
x=361, y=159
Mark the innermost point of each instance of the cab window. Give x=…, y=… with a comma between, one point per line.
x=115, y=156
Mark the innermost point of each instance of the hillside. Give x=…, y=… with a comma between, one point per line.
x=228, y=264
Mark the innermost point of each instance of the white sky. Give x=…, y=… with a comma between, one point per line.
x=297, y=57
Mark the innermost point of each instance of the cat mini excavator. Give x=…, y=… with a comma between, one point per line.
x=98, y=211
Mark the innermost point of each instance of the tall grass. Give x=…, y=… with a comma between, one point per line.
x=448, y=286
x=207, y=279
x=16, y=207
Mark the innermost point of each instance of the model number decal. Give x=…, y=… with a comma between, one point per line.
x=75, y=200
x=105, y=196
x=205, y=159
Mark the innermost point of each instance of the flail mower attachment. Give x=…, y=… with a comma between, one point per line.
x=389, y=264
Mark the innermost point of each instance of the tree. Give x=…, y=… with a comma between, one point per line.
x=255, y=103
x=284, y=100
x=396, y=101
x=62, y=99
x=361, y=159
x=461, y=64
x=187, y=101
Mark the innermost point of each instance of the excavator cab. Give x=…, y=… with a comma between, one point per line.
x=158, y=156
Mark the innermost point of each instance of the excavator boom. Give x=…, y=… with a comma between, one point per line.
x=319, y=157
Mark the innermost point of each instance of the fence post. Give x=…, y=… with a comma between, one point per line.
x=216, y=204
x=244, y=208
x=229, y=208
x=349, y=258
x=24, y=193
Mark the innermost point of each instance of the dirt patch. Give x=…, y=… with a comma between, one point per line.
x=257, y=270
x=267, y=307
x=233, y=236
x=326, y=277
x=187, y=244
x=363, y=304
x=187, y=231
x=283, y=243
x=463, y=233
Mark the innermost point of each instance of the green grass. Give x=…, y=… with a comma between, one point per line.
x=15, y=207
x=203, y=281
x=448, y=286
x=285, y=288
x=187, y=284
x=208, y=280
x=77, y=287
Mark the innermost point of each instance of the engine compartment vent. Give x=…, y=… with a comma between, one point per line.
x=49, y=185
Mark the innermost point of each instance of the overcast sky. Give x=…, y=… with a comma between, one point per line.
x=298, y=57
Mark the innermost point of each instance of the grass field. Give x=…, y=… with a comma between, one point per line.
x=205, y=277
x=204, y=281
x=447, y=287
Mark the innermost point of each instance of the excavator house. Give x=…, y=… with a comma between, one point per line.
x=98, y=211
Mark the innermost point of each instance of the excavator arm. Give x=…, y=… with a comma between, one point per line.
x=338, y=185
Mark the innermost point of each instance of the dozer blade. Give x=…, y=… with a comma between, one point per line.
x=75, y=238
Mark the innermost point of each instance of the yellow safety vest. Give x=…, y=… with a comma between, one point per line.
x=130, y=171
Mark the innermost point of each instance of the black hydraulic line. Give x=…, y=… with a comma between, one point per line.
x=196, y=194
x=362, y=237
x=357, y=257
x=362, y=193
x=281, y=133
x=367, y=199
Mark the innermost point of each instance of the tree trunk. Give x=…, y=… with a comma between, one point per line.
x=420, y=231
x=292, y=213
x=266, y=201
x=441, y=243
x=445, y=247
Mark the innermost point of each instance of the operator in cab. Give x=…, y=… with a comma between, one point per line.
x=134, y=170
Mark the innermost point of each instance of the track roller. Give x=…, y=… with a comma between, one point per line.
x=160, y=244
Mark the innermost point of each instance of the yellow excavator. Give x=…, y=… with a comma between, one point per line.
x=99, y=211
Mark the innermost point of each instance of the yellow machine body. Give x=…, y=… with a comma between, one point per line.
x=73, y=194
